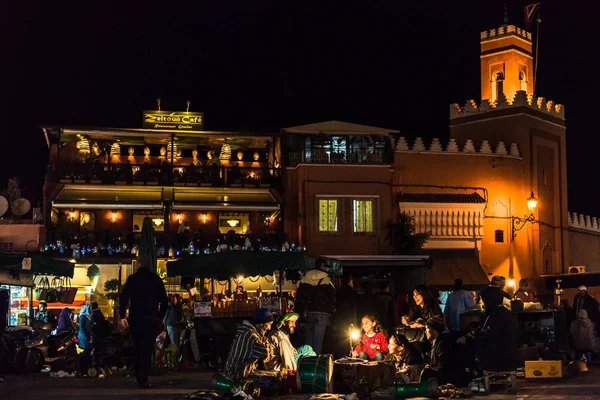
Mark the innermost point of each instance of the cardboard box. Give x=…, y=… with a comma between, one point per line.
x=543, y=369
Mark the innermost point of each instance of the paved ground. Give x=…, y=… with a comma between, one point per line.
x=117, y=387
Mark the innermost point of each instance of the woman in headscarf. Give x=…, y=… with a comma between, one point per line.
x=583, y=332
x=65, y=323
x=85, y=327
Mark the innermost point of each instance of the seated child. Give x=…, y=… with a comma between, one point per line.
x=405, y=358
x=374, y=345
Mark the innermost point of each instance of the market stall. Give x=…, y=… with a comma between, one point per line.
x=18, y=273
x=229, y=286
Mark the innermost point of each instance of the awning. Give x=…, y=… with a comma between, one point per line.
x=109, y=197
x=224, y=199
x=449, y=265
x=36, y=264
x=378, y=261
x=233, y=263
x=572, y=280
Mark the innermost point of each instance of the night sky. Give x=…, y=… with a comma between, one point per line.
x=263, y=65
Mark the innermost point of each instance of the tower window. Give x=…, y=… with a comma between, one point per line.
x=523, y=80
x=544, y=179
x=497, y=85
x=499, y=236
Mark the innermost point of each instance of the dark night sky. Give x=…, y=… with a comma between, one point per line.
x=264, y=65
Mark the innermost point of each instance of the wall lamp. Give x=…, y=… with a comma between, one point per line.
x=519, y=223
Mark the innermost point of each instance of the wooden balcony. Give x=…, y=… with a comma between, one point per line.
x=167, y=175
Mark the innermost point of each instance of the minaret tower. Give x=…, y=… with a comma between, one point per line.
x=506, y=62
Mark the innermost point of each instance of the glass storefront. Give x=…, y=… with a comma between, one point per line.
x=19, y=305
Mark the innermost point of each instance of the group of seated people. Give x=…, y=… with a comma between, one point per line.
x=451, y=356
x=255, y=342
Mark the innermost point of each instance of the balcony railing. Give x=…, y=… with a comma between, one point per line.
x=124, y=244
x=319, y=156
x=166, y=175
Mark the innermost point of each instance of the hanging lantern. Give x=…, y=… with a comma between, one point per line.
x=130, y=150
x=146, y=151
x=84, y=146
x=178, y=152
x=240, y=155
x=115, y=149
x=163, y=151
x=209, y=155
x=225, y=152
x=256, y=156
x=195, y=153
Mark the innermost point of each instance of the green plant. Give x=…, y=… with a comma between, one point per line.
x=403, y=237
x=111, y=289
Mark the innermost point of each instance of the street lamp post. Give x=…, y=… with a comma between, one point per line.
x=519, y=223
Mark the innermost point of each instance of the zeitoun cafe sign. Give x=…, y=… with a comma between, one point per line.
x=177, y=120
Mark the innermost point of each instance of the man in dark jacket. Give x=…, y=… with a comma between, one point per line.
x=4, y=302
x=315, y=298
x=146, y=292
x=583, y=301
x=442, y=363
x=497, y=339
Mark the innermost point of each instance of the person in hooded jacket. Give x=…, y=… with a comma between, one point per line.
x=315, y=299
x=85, y=327
x=65, y=323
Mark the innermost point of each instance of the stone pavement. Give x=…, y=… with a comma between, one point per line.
x=118, y=387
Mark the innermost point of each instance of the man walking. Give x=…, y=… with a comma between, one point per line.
x=316, y=298
x=458, y=302
x=146, y=292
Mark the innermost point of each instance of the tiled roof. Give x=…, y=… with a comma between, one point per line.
x=472, y=198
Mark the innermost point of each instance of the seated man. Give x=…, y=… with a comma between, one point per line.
x=44, y=315
x=442, y=364
x=249, y=346
x=286, y=356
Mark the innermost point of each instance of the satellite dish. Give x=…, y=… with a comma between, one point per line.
x=20, y=206
x=3, y=205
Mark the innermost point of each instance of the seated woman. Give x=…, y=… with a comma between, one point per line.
x=405, y=358
x=374, y=345
x=583, y=332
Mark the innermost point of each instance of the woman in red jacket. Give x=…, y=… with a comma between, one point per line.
x=374, y=345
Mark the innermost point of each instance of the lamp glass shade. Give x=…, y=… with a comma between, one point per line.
x=240, y=155
x=130, y=150
x=256, y=156
x=146, y=151
x=532, y=202
x=163, y=151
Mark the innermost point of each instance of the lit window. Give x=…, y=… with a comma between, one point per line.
x=499, y=236
x=328, y=219
x=363, y=216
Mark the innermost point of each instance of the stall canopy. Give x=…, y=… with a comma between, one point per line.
x=38, y=264
x=572, y=280
x=448, y=265
x=232, y=263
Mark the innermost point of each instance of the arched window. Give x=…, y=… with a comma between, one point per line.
x=497, y=85
x=523, y=80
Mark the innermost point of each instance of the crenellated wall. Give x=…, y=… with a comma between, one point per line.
x=468, y=147
x=584, y=222
x=505, y=30
x=584, y=236
x=521, y=99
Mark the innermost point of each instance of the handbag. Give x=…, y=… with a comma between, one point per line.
x=52, y=296
x=66, y=293
x=40, y=293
